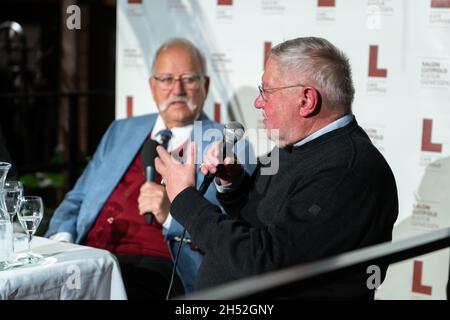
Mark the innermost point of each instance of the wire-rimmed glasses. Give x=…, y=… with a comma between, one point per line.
x=30, y=213
x=189, y=81
x=264, y=92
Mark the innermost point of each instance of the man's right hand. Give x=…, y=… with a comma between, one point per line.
x=228, y=171
x=153, y=198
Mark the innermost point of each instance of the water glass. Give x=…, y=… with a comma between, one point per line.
x=30, y=213
x=10, y=195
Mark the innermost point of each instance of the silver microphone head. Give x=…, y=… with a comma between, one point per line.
x=233, y=132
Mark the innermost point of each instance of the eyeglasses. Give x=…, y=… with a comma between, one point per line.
x=265, y=92
x=190, y=82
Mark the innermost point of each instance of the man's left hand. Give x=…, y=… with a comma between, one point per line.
x=176, y=175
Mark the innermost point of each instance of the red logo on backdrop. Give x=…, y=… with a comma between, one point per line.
x=134, y=1
x=440, y=3
x=225, y=2
x=417, y=285
x=326, y=3
x=267, y=47
x=374, y=71
x=129, y=106
x=217, y=112
x=427, y=145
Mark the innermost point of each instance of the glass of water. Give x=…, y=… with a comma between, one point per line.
x=31, y=210
x=10, y=195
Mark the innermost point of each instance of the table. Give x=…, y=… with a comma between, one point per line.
x=69, y=272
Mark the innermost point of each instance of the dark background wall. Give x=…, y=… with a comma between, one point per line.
x=56, y=90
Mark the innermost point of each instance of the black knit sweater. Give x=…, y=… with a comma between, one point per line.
x=333, y=194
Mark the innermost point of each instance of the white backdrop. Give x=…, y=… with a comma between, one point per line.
x=400, y=55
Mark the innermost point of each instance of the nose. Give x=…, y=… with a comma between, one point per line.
x=178, y=88
x=259, y=102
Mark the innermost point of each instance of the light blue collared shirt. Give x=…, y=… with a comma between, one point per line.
x=337, y=124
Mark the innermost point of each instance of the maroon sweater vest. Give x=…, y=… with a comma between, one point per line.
x=119, y=228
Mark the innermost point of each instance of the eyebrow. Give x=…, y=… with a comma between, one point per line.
x=171, y=74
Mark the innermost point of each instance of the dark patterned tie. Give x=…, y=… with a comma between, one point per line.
x=165, y=135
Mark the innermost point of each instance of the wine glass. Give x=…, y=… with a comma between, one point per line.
x=31, y=210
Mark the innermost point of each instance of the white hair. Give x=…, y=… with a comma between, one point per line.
x=320, y=62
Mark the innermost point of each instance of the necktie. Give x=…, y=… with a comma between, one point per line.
x=163, y=138
x=165, y=135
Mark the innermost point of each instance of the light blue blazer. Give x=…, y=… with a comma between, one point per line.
x=79, y=210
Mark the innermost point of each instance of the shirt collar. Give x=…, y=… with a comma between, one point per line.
x=337, y=124
x=179, y=134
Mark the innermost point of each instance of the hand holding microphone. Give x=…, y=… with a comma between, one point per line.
x=226, y=172
x=179, y=176
x=152, y=200
x=220, y=161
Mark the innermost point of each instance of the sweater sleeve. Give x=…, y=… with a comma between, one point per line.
x=232, y=201
x=331, y=213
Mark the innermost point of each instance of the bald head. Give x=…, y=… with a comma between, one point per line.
x=181, y=44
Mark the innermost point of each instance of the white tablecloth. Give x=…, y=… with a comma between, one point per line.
x=69, y=272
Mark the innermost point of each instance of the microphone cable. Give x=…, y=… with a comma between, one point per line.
x=172, y=277
x=204, y=186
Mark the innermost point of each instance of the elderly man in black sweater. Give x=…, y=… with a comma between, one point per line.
x=333, y=191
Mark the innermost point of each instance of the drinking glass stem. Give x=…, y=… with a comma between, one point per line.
x=13, y=236
x=30, y=236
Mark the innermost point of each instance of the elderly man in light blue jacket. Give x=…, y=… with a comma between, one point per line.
x=105, y=208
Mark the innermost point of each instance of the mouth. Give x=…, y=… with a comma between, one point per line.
x=179, y=104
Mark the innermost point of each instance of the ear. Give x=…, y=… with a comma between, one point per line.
x=206, y=85
x=309, y=103
x=151, y=83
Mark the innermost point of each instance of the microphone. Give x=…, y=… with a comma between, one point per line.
x=232, y=133
x=148, y=155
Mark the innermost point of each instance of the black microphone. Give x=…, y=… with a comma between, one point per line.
x=232, y=133
x=148, y=155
